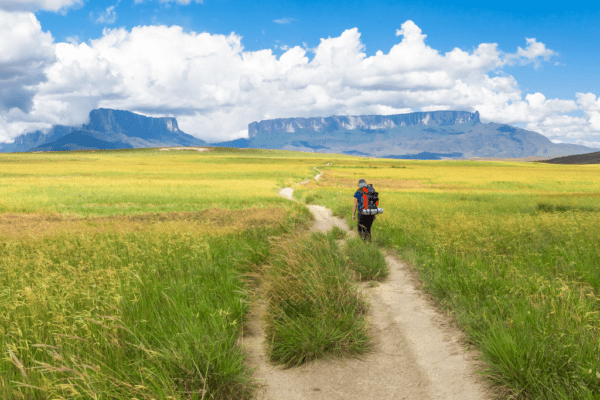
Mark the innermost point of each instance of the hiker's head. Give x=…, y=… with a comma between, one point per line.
x=362, y=183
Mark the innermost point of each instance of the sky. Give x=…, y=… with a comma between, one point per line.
x=218, y=65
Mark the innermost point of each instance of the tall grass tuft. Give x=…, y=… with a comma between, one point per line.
x=365, y=259
x=337, y=233
x=314, y=308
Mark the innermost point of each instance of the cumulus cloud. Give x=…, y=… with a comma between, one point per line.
x=583, y=129
x=25, y=52
x=535, y=52
x=215, y=88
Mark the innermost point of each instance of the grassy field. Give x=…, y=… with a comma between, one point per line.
x=122, y=272
x=121, y=182
x=511, y=249
x=127, y=274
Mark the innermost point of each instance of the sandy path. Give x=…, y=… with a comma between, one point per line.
x=417, y=353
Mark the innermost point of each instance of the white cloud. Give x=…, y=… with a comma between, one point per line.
x=283, y=21
x=583, y=129
x=535, y=50
x=533, y=53
x=109, y=16
x=35, y=5
x=25, y=51
x=215, y=88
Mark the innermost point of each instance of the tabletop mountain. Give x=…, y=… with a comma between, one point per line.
x=107, y=129
x=419, y=135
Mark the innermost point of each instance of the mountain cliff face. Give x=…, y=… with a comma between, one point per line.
x=133, y=125
x=361, y=122
x=420, y=135
x=107, y=129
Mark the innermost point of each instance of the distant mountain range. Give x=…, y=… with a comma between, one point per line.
x=420, y=135
x=108, y=129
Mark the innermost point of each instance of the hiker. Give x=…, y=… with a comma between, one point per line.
x=364, y=221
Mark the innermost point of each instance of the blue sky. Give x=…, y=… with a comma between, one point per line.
x=91, y=40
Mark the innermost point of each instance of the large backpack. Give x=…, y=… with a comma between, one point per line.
x=370, y=201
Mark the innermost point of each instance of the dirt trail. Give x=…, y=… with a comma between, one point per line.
x=417, y=354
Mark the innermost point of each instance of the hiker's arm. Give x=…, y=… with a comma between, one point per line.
x=354, y=208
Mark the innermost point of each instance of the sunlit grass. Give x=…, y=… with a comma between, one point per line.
x=314, y=308
x=142, y=313
x=366, y=260
x=147, y=180
x=122, y=274
x=510, y=248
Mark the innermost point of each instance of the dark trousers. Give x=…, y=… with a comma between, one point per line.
x=364, y=226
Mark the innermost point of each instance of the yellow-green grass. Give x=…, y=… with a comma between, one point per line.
x=314, y=308
x=146, y=313
x=127, y=303
x=367, y=261
x=108, y=240
x=147, y=180
x=511, y=249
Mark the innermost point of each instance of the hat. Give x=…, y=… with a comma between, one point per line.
x=362, y=183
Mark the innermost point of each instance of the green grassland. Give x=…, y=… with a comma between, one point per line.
x=146, y=180
x=511, y=249
x=128, y=274
x=122, y=273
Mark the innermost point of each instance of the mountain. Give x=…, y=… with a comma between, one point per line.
x=419, y=135
x=25, y=142
x=81, y=140
x=107, y=129
x=237, y=143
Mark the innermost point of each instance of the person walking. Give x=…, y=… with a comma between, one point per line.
x=364, y=221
